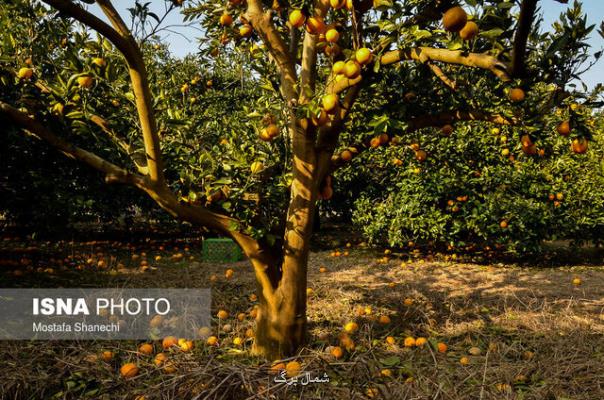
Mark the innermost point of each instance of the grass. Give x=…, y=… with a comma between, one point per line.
x=540, y=336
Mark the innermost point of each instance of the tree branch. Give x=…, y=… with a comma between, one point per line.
x=309, y=57
x=261, y=21
x=525, y=22
x=112, y=172
x=123, y=40
x=442, y=76
x=427, y=54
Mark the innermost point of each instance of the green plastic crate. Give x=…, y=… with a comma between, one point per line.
x=220, y=250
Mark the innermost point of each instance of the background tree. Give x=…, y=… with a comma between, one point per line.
x=309, y=61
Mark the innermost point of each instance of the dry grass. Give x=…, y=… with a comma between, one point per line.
x=541, y=337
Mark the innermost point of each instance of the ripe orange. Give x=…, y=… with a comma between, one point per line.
x=85, y=81
x=408, y=302
x=516, y=95
x=414, y=146
x=237, y=341
x=390, y=340
x=346, y=155
x=563, y=128
x=469, y=31
x=321, y=119
x=297, y=18
x=212, y=341
x=560, y=196
x=332, y=35
x=229, y=273
x=185, y=345
x=421, y=341
x=160, y=358
x=455, y=19
x=384, y=138
x=169, y=341
x=338, y=67
x=337, y=4
x=25, y=73
x=375, y=142
x=226, y=19
x=464, y=361
x=447, y=130
x=576, y=281
x=315, y=25
x=409, y=341
x=107, y=356
x=222, y=314
x=256, y=167
x=363, y=56
x=330, y=102
x=99, y=62
x=293, y=368
x=351, y=327
x=579, y=145
x=277, y=367
x=129, y=370
x=503, y=224
x=384, y=320
x=145, y=348
x=441, y=347
x=336, y=352
x=421, y=155
x=246, y=30
x=352, y=69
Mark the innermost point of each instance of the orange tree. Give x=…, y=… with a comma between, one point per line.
x=309, y=62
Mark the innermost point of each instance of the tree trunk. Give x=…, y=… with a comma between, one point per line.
x=281, y=323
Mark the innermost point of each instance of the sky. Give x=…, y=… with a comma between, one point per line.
x=181, y=46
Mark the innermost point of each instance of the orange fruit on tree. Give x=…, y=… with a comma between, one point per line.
x=226, y=19
x=338, y=67
x=85, y=81
x=563, y=128
x=363, y=55
x=272, y=130
x=516, y=95
x=579, y=145
x=99, y=62
x=503, y=224
x=421, y=155
x=145, y=348
x=321, y=119
x=169, y=341
x=560, y=196
x=256, y=167
x=375, y=142
x=246, y=30
x=315, y=25
x=469, y=31
x=297, y=18
x=337, y=4
x=332, y=35
x=330, y=102
x=414, y=146
x=384, y=138
x=25, y=73
x=447, y=129
x=346, y=155
x=129, y=370
x=455, y=19
x=352, y=69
